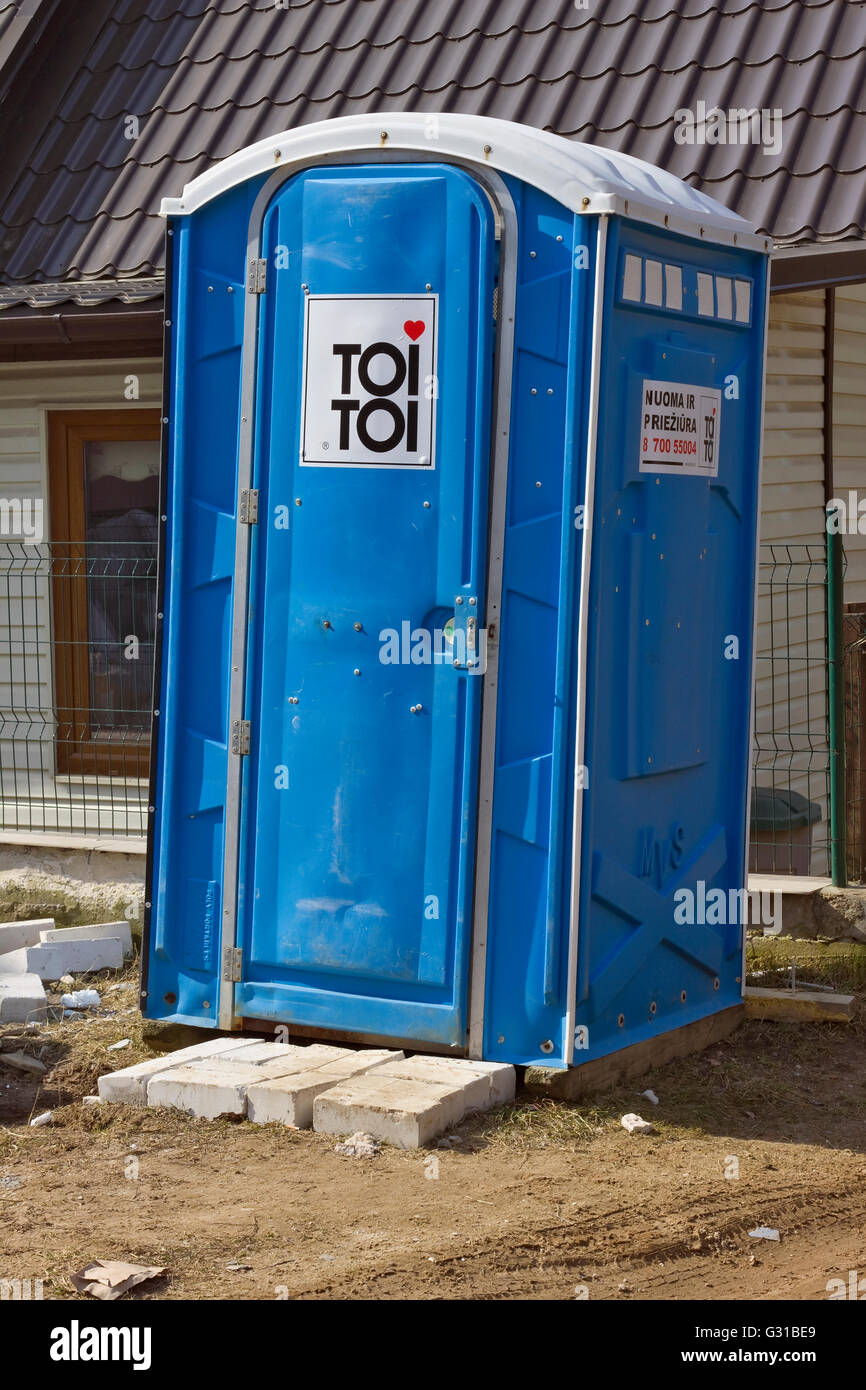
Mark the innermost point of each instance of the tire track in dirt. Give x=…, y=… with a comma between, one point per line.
x=615, y=1247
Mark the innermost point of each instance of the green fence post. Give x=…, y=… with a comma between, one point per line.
x=836, y=698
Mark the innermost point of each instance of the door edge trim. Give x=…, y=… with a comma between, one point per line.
x=500, y=435
x=583, y=637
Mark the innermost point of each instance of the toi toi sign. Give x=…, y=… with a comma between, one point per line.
x=369, y=388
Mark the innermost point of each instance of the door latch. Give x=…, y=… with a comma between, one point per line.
x=466, y=646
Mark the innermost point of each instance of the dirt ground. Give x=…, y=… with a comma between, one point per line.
x=542, y=1200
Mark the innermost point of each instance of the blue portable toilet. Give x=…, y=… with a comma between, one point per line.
x=453, y=700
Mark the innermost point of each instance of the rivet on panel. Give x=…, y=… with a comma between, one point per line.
x=357, y=627
x=664, y=355
x=653, y=1007
x=716, y=982
x=458, y=600
x=326, y=622
x=559, y=238
x=620, y=1023
x=471, y=602
x=538, y=484
x=533, y=391
x=649, y=760
x=210, y=289
x=297, y=501
x=550, y=390
x=230, y=289
x=547, y=1045
x=683, y=997
x=584, y=202
x=426, y=504
x=357, y=671
x=428, y=286
x=532, y=256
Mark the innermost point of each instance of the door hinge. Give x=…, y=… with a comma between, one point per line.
x=257, y=275
x=248, y=506
x=240, y=740
x=233, y=959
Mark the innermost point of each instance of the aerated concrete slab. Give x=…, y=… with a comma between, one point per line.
x=339, y=1090
x=15, y=935
x=129, y=1085
x=407, y=1114
x=410, y=1102
x=51, y=959
x=288, y=1100
x=22, y=999
x=119, y=930
x=485, y=1084
x=218, y=1085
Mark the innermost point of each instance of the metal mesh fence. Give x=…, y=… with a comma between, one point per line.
x=77, y=624
x=790, y=831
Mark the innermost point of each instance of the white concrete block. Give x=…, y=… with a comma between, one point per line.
x=313, y=1056
x=121, y=930
x=51, y=959
x=14, y=935
x=444, y=1071
x=217, y=1085
x=288, y=1100
x=503, y=1079
x=404, y=1113
x=204, y=1089
x=22, y=999
x=129, y=1085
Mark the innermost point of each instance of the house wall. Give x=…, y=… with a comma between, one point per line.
x=30, y=795
x=790, y=697
x=849, y=423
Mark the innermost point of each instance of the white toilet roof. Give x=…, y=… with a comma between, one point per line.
x=583, y=178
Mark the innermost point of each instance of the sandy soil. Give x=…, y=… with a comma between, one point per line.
x=542, y=1200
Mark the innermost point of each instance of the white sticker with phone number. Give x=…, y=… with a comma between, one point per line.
x=679, y=429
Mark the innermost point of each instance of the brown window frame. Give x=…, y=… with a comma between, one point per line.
x=69, y=431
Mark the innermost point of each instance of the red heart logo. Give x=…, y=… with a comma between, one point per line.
x=413, y=328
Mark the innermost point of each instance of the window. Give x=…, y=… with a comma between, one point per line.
x=104, y=493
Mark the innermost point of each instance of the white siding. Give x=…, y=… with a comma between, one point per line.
x=849, y=423
x=29, y=795
x=790, y=700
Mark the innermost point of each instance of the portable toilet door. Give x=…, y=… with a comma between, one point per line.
x=394, y=345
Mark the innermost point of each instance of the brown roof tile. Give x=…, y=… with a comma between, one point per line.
x=205, y=77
